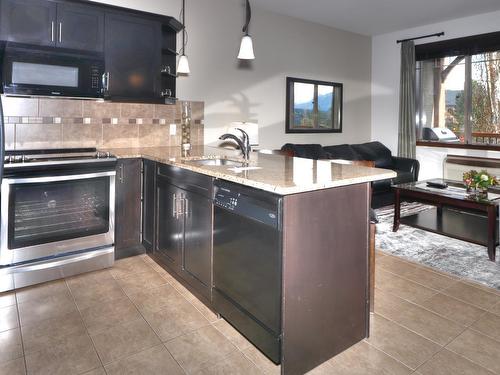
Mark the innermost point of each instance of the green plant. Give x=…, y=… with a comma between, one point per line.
x=479, y=180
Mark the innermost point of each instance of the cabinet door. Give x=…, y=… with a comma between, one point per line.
x=197, y=250
x=128, y=208
x=133, y=57
x=28, y=21
x=169, y=226
x=80, y=27
x=148, y=204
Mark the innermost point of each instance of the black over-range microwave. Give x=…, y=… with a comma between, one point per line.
x=29, y=70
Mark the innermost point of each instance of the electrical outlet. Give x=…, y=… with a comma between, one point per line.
x=173, y=129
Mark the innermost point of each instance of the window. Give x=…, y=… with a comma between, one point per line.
x=313, y=106
x=459, y=92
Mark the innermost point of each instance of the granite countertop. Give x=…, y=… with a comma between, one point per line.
x=275, y=173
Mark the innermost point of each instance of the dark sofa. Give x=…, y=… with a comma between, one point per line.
x=407, y=169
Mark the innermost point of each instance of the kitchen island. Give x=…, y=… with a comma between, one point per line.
x=299, y=292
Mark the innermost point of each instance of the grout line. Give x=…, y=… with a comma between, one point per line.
x=387, y=354
x=20, y=333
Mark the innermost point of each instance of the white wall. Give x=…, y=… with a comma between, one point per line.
x=385, y=73
x=284, y=46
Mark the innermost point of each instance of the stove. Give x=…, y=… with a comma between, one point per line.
x=57, y=214
x=19, y=159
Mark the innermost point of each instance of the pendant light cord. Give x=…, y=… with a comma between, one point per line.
x=184, y=32
x=248, y=17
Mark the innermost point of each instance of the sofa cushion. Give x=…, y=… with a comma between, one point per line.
x=376, y=152
x=309, y=151
x=345, y=152
x=382, y=185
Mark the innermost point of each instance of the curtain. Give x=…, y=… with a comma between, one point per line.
x=406, y=130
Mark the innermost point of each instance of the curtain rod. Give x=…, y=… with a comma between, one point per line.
x=420, y=37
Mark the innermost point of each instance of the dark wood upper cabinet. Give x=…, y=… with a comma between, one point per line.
x=133, y=57
x=28, y=21
x=80, y=27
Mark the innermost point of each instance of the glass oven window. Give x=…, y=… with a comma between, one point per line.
x=55, y=211
x=44, y=74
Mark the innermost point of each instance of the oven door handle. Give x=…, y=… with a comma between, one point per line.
x=31, y=180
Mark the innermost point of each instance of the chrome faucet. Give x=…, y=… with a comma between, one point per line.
x=243, y=142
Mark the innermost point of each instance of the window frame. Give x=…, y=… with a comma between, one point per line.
x=468, y=97
x=289, y=102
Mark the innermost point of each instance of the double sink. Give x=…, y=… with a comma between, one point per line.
x=235, y=165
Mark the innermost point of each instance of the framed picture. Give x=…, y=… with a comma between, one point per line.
x=313, y=106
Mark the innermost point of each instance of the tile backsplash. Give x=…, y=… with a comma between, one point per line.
x=52, y=123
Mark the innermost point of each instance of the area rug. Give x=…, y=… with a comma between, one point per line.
x=459, y=258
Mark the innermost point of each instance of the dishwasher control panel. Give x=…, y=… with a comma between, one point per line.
x=226, y=198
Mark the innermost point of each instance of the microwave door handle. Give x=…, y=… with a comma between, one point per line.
x=52, y=31
x=60, y=32
x=105, y=82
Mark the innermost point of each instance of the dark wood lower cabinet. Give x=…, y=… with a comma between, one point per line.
x=128, y=208
x=148, y=204
x=184, y=226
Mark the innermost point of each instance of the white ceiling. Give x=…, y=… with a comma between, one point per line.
x=373, y=17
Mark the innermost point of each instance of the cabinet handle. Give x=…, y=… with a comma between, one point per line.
x=121, y=177
x=105, y=82
x=186, y=206
x=52, y=31
x=60, y=32
x=174, y=206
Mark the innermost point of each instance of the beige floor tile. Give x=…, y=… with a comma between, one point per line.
x=72, y=355
x=89, y=278
x=453, y=309
x=448, y=363
x=182, y=289
x=8, y=318
x=430, y=278
x=153, y=300
x=154, y=361
x=123, y=340
x=473, y=295
x=496, y=309
x=482, y=286
x=234, y=364
x=129, y=266
x=400, y=343
x=401, y=287
x=176, y=319
x=261, y=361
x=42, y=291
x=489, y=324
x=200, y=349
x=102, y=316
x=396, y=265
x=423, y=322
x=36, y=310
x=232, y=334
x=323, y=369
x=40, y=335
x=10, y=345
x=365, y=359
x=204, y=310
x=140, y=281
x=14, y=367
x=97, y=371
x=7, y=299
x=95, y=293
x=478, y=348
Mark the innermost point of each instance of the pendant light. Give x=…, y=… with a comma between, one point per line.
x=246, y=47
x=183, y=67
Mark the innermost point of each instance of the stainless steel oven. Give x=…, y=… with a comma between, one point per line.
x=57, y=217
x=48, y=71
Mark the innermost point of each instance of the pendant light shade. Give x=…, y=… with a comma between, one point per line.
x=183, y=66
x=246, y=47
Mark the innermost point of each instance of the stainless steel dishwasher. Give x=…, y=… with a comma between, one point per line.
x=247, y=258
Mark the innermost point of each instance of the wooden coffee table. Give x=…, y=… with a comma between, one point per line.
x=455, y=214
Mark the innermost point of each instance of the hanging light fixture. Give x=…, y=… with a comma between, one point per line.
x=246, y=47
x=183, y=67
